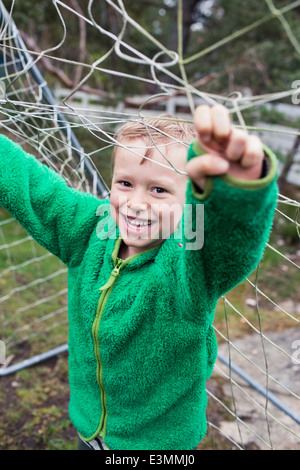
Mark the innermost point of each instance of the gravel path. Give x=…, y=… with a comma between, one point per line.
x=263, y=424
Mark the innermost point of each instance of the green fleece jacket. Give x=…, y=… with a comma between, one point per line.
x=141, y=341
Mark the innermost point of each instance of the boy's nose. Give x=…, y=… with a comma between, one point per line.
x=138, y=202
x=137, y=206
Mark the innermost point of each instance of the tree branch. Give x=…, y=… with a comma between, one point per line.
x=63, y=78
x=82, y=41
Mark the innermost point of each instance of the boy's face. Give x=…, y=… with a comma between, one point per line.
x=147, y=199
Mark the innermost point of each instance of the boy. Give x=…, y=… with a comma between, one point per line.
x=141, y=304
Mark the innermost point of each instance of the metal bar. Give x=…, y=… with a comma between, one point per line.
x=33, y=360
x=78, y=150
x=259, y=388
x=49, y=98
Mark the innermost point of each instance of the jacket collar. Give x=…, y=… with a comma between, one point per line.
x=136, y=260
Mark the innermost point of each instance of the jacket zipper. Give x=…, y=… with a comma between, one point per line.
x=106, y=290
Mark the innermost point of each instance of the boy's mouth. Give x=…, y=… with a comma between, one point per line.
x=136, y=226
x=135, y=222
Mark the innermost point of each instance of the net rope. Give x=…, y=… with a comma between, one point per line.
x=33, y=289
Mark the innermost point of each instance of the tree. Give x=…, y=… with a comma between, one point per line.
x=262, y=60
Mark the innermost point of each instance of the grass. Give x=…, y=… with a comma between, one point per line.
x=34, y=401
x=34, y=408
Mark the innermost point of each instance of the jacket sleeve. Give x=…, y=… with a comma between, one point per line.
x=58, y=217
x=224, y=243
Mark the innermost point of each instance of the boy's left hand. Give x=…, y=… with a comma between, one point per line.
x=229, y=150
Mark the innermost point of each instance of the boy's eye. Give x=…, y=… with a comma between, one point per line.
x=126, y=184
x=159, y=190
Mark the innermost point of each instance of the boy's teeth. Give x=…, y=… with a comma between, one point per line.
x=138, y=223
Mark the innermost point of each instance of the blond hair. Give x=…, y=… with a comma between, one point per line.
x=156, y=131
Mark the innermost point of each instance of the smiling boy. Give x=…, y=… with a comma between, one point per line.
x=147, y=199
x=145, y=195
x=141, y=306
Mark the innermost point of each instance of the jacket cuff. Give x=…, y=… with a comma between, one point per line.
x=269, y=173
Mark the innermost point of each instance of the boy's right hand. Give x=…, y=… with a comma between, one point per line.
x=229, y=150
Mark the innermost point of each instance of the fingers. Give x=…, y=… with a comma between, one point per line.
x=203, y=123
x=254, y=152
x=236, y=145
x=221, y=123
x=206, y=165
x=218, y=137
x=212, y=123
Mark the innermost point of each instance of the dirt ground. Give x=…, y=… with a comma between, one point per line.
x=34, y=410
x=34, y=405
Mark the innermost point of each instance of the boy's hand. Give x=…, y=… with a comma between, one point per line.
x=229, y=150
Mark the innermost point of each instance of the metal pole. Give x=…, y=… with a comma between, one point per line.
x=49, y=98
x=33, y=360
x=259, y=388
x=65, y=127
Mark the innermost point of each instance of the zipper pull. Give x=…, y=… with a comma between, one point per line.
x=113, y=276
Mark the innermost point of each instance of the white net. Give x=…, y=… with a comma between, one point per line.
x=69, y=123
